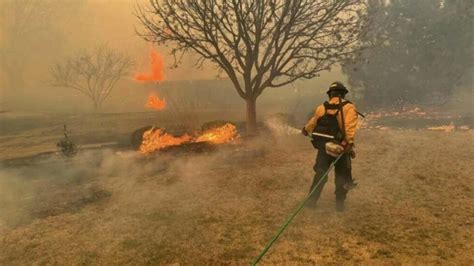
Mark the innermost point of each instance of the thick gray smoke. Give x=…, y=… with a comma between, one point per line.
x=56, y=185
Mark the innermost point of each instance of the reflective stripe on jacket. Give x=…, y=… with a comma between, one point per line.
x=350, y=118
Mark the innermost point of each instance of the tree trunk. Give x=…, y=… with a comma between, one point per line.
x=251, y=116
x=97, y=105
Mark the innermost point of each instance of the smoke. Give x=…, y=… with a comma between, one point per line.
x=54, y=186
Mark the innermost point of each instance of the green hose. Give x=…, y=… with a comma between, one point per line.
x=295, y=212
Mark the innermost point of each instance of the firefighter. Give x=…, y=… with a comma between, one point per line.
x=336, y=118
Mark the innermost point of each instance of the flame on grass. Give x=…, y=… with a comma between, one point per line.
x=154, y=140
x=157, y=139
x=219, y=135
x=445, y=128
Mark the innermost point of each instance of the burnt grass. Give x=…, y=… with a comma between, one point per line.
x=413, y=205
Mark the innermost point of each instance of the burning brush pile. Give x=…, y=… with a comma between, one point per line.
x=157, y=139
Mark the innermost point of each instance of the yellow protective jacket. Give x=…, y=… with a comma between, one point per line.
x=350, y=118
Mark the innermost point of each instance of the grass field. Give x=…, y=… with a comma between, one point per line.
x=414, y=203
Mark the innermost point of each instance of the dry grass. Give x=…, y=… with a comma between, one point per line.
x=23, y=135
x=414, y=205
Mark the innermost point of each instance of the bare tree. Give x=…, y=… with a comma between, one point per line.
x=257, y=44
x=94, y=74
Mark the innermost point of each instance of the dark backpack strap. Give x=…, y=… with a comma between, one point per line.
x=326, y=106
x=340, y=106
x=335, y=106
x=343, y=129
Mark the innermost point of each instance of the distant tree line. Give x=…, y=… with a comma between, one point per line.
x=418, y=52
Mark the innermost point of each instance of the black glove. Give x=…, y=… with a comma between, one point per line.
x=303, y=131
x=349, y=148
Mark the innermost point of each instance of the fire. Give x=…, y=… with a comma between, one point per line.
x=154, y=102
x=154, y=140
x=445, y=128
x=413, y=112
x=156, y=68
x=220, y=135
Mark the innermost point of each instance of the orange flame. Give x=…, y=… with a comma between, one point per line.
x=154, y=102
x=220, y=135
x=156, y=68
x=154, y=140
x=445, y=128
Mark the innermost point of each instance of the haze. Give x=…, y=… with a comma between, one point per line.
x=67, y=27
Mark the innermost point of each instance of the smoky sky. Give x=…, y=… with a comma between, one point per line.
x=76, y=25
x=68, y=27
